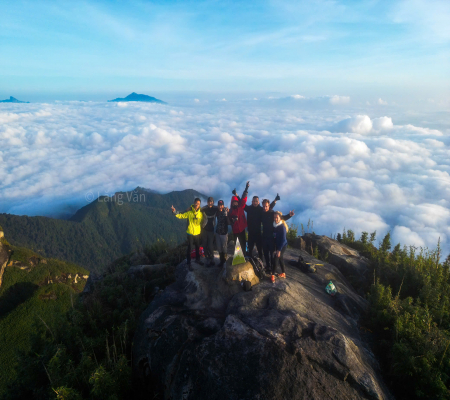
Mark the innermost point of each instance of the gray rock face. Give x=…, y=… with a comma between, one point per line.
x=354, y=266
x=145, y=271
x=90, y=283
x=204, y=338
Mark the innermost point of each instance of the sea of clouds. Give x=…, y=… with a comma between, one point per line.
x=364, y=168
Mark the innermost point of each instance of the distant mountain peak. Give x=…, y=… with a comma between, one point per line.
x=12, y=100
x=138, y=97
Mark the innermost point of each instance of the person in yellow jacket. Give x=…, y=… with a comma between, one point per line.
x=195, y=218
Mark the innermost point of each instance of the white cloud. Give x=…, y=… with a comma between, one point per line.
x=226, y=138
x=360, y=124
x=358, y=171
x=382, y=102
x=382, y=123
x=339, y=99
x=324, y=101
x=402, y=234
x=196, y=100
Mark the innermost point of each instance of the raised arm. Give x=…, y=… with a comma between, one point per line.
x=288, y=216
x=235, y=194
x=179, y=215
x=243, y=201
x=247, y=185
x=272, y=205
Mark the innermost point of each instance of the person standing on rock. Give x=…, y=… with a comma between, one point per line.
x=254, y=214
x=237, y=216
x=267, y=219
x=195, y=218
x=222, y=231
x=280, y=230
x=208, y=225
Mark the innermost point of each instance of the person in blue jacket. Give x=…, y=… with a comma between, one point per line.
x=280, y=230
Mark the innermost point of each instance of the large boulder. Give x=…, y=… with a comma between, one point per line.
x=205, y=338
x=355, y=267
x=239, y=273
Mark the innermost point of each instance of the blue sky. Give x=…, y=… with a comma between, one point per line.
x=389, y=49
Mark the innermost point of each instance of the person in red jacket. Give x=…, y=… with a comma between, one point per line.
x=237, y=217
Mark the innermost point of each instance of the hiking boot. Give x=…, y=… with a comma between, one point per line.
x=283, y=275
x=199, y=262
x=272, y=278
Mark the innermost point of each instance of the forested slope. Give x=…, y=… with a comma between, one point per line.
x=105, y=229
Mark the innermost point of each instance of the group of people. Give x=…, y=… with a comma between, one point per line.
x=266, y=228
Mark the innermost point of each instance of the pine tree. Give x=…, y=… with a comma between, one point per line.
x=386, y=243
x=364, y=237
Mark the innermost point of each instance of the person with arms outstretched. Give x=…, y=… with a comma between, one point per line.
x=254, y=218
x=237, y=216
x=267, y=219
x=195, y=218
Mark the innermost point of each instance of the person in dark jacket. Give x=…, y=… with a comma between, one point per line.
x=237, y=216
x=280, y=230
x=254, y=213
x=222, y=231
x=267, y=218
x=208, y=230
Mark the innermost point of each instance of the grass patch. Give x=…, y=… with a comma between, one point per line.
x=25, y=304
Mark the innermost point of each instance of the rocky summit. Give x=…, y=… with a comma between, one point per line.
x=204, y=337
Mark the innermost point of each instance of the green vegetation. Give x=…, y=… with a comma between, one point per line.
x=409, y=315
x=103, y=230
x=292, y=234
x=86, y=354
x=28, y=303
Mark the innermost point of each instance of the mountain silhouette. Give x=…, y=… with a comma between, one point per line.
x=139, y=97
x=12, y=100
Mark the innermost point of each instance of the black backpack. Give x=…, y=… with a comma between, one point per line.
x=258, y=266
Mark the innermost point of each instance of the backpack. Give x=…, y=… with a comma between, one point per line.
x=331, y=289
x=257, y=265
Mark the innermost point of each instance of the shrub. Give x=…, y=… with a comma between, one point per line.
x=409, y=316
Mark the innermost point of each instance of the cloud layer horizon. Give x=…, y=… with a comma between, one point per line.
x=340, y=167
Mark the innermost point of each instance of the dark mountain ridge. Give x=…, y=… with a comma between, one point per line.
x=139, y=97
x=105, y=229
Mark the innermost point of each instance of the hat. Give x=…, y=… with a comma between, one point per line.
x=210, y=199
x=220, y=203
x=234, y=198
